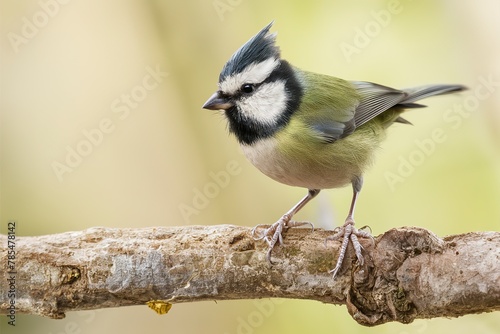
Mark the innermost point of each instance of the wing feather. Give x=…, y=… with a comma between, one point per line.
x=375, y=99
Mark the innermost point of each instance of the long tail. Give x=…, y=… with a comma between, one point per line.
x=422, y=92
x=377, y=99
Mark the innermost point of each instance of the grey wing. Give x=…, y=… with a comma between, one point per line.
x=375, y=99
x=330, y=130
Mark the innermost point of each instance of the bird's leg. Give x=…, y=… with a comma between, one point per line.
x=273, y=233
x=349, y=232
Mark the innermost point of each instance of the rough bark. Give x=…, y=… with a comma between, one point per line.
x=408, y=272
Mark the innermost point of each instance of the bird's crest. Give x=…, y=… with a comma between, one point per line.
x=258, y=49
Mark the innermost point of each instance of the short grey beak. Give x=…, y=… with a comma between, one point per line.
x=218, y=102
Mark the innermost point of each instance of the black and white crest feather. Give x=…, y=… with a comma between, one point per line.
x=259, y=48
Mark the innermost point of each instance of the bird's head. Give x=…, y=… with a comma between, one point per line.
x=258, y=90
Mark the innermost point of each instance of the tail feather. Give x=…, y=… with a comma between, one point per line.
x=418, y=93
x=377, y=99
x=402, y=120
x=411, y=105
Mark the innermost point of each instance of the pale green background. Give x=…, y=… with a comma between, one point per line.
x=65, y=78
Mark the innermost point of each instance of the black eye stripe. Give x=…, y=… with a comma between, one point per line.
x=241, y=92
x=249, y=130
x=275, y=75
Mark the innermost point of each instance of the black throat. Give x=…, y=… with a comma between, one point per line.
x=247, y=130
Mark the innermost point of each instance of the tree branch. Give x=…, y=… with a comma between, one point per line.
x=408, y=272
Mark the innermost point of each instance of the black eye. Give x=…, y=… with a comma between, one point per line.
x=247, y=88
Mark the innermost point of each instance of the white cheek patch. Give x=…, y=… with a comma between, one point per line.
x=253, y=73
x=266, y=104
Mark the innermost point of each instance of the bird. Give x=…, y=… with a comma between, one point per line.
x=308, y=130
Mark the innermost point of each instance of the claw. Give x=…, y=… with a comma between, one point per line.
x=280, y=239
x=294, y=223
x=349, y=233
x=366, y=227
x=269, y=255
x=357, y=248
x=273, y=233
x=253, y=231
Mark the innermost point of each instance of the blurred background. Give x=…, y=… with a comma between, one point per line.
x=101, y=125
